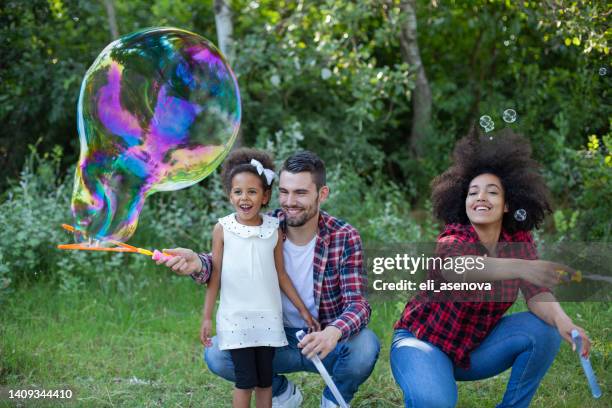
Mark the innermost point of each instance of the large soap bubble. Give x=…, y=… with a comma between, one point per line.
x=158, y=111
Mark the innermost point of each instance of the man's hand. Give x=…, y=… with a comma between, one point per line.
x=183, y=262
x=320, y=343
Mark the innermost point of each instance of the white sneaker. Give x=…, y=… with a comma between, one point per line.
x=325, y=403
x=291, y=398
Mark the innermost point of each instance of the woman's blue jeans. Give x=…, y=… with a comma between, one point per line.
x=427, y=376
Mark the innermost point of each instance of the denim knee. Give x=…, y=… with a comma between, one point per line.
x=426, y=397
x=364, y=348
x=218, y=362
x=548, y=339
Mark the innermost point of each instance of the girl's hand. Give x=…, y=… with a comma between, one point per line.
x=206, y=332
x=545, y=273
x=565, y=327
x=311, y=322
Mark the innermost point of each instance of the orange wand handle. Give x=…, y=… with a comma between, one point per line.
x=86, y=248
x=123, y=246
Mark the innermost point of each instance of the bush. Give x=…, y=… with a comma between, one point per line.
x=590, y=191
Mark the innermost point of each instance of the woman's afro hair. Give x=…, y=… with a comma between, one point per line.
x=506, y=155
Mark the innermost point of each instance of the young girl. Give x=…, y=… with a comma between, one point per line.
x=248, y=266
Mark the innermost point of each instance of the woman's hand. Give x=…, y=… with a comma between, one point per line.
x=183, y=262
x=206, y=332
x=565, y=327
x=311, y=322
x=545, y=273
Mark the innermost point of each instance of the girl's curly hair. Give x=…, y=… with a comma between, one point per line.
x=239, y=161
x=508, y=156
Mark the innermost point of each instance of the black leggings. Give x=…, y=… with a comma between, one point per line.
x=253, y=367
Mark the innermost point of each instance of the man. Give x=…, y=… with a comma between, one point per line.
x=323, y=257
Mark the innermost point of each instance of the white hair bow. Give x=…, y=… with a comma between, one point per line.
x=269, y=174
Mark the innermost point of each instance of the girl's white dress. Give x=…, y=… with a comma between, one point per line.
x=250, y=312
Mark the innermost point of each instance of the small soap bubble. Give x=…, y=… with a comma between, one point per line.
x=509, y=116
x=275, y=80
x=520, y=215
x=488, y=126
x=325, y=74
x=603, y=71
x=485, y=121
x=506, y=43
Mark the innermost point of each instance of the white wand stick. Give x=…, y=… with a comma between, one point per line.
x=326, y=377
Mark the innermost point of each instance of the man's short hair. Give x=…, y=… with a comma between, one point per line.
x=306, y=161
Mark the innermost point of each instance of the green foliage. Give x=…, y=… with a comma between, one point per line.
x=46, y=49
x=578, y=23
x=591, y=189
x=315, y=66
x=378, y=208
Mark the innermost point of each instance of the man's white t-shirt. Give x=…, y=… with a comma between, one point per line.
x=299, y=263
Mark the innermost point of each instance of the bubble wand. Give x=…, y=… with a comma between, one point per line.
x=586, y=366
x=326, y=377
x=123, y=247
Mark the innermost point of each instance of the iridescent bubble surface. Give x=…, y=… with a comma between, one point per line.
x=603, y=71
x=158, y=110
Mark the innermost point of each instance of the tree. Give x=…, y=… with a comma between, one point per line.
x=421, y=95
x=225, y=41
x=225, y=29
x=112, y=20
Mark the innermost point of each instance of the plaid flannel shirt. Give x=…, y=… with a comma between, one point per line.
x=339, y=278
x=457, y=328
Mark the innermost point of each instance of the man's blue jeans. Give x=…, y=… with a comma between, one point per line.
x=522, y=341
x=349, y=364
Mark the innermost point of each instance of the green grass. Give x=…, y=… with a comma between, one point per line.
x=95, y=341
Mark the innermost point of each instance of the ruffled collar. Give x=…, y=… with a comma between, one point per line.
x=265, y=230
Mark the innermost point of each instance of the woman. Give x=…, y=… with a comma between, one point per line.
x=489, y=199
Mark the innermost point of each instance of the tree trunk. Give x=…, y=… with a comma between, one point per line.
x=421, y=95
x=112, y=20
x=225, y=41
x=225, y=28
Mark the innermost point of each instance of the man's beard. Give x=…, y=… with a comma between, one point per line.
x=306, y=215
